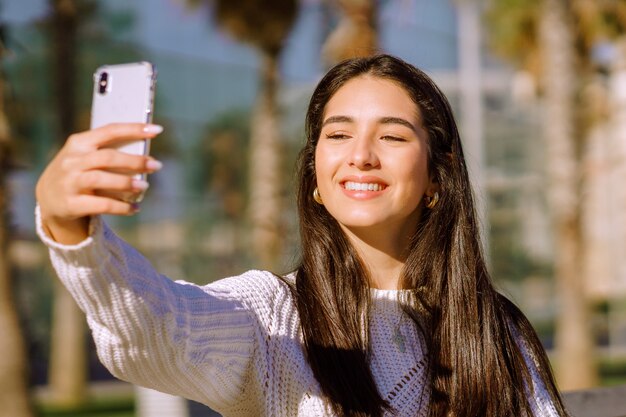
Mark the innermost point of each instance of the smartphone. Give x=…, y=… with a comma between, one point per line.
x=124, y=93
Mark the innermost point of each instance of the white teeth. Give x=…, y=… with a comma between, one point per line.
x=363, y=186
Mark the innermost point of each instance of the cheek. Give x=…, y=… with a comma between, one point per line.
x=319, y=169
x=417, y=173
x=421, y=171
x=325, y=161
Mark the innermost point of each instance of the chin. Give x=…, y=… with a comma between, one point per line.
x=362, y=223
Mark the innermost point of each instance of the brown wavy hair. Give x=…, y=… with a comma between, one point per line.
x=473, y=334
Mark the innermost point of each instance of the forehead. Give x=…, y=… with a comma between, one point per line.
x=369, y=95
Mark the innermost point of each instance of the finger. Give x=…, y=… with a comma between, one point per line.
x=115, y=160
x=94, y=204
x=97, y=180
x=127, y=196
x=113, y=133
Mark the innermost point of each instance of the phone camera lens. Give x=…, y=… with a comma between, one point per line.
x=103, y=82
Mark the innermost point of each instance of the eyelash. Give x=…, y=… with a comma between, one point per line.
x=394, y=138
x=337, y=136
x=340, y=136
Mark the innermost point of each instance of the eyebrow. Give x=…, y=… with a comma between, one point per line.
x=383, y=120
x=398, y=121
x=337, y=119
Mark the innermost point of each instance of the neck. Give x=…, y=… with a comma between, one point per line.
x=383, y=255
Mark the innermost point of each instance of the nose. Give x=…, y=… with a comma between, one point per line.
x=363, y=154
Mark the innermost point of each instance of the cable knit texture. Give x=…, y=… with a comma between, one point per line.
x=234, y=344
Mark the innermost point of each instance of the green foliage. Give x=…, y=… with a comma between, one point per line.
x=613, y=371
x=218, y=161
x=263, y=24
x=512, y=263
x=598, y=20
x=33, y=109
x=29, y=106
x=513, y=31
x=217, y=180
x=513, y=27
x=105, y=407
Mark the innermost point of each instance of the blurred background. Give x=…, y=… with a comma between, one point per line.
x=538, y=88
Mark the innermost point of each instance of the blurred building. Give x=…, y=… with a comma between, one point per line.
x=204, y=75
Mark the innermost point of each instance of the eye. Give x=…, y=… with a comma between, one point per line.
x=393, y=138
x=337, y=136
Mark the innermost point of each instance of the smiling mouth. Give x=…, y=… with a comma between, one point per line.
x=363, y=186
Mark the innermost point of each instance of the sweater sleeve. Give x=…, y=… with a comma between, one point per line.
x=175, y=337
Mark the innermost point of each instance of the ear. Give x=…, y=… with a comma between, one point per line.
x=433, y=186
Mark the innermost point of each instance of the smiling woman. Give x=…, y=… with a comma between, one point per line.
x=381, y=123
x=390, y=311
x=371, y=169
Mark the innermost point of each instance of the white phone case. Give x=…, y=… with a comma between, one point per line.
x=127, y=97
x=124, y=93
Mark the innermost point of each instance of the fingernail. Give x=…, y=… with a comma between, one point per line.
x=140, y=185
x=154, y=165
x=135, y=207
x=155, y=129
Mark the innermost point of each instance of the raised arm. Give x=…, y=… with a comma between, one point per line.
x=175, y=337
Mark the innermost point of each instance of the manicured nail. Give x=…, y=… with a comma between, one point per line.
x=155, y=129
x=154, y=165
x=140, y=185
x=135, y=207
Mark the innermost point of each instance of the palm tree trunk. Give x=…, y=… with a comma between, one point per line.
x=68, y=357
x=265, y=168
x=13, y=365
x=574, y=342
x=67, y=371
x=14, y=394
x=617, y=144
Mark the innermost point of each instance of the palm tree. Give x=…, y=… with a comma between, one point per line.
x=356, y=34
x=553, y=40
x=265, y=25
x=574, y=340
x=68, y=349
x=14, y=395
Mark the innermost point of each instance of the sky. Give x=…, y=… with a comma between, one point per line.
x=422, y=32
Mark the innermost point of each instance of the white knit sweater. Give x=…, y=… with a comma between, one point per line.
x=233, y=345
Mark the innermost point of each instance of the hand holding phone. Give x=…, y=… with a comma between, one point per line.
x=86, y=178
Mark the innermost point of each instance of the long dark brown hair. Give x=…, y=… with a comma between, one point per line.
x=473, y=334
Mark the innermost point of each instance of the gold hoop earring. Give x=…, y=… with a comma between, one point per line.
x=317, y=197
x=432, y=202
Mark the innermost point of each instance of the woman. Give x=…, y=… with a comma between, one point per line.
x=390, y=312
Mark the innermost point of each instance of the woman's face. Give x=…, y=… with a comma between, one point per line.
x=371, y=157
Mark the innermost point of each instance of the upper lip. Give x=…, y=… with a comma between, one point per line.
x=365, y=179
